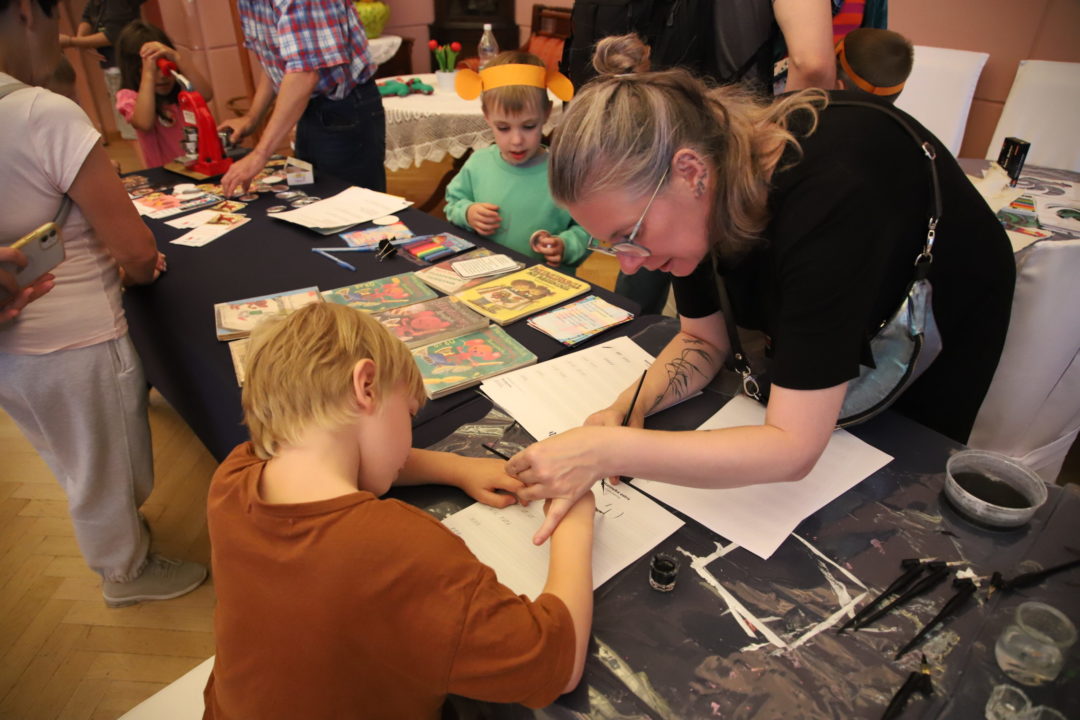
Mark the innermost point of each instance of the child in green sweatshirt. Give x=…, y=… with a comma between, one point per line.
x=502, y=191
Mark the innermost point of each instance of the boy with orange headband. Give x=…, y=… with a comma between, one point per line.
x=874, y=61
x=502, y=191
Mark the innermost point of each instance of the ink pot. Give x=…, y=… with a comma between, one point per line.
x=663, y=572
x=992, y=489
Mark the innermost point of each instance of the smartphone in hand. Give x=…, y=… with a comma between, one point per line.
x=44, y=250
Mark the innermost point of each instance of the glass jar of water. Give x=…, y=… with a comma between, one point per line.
x=1031, y=651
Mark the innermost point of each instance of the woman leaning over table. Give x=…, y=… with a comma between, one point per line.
x=815, y=214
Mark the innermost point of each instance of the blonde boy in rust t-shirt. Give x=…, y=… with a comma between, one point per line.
x=333, y=603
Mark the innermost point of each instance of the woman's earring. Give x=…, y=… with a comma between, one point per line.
x=699, y=190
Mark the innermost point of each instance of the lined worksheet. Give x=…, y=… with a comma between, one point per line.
x=626, y=526
x=554, y=396
x=760, y=517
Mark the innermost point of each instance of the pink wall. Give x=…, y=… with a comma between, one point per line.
x=1010, y=31
x=204, y=32
x=410, y=18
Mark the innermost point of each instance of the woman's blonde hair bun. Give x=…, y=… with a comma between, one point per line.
x=621, y=54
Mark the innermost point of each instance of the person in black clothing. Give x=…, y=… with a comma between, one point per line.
x=102, y=21
x=814, y=214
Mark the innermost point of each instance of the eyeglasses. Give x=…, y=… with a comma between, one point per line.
x=628, y=246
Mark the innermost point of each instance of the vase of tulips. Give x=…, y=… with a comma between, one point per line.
x=445, y=58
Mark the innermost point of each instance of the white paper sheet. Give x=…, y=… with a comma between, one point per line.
x=556, y=395
x=349, y=207
x=760, y=517
x=626, y=526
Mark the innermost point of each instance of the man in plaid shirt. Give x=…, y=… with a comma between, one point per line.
x=316, y=62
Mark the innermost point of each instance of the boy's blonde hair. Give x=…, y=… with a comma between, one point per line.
x=298, y=372
x=514, y=99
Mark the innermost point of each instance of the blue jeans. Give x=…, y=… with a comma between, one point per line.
x=347, y=137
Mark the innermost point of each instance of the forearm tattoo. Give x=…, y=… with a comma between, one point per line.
x=681, y=370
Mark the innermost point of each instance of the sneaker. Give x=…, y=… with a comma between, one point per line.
x=161, y=579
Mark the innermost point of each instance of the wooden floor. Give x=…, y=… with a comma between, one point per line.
x=63, y=654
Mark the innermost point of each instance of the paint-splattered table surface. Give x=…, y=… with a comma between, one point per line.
x=684, y=654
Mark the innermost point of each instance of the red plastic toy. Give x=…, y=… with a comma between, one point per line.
x=200, y=130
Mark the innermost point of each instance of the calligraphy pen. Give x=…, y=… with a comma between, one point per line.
x=938, y=572
x=918, y=681
x=1031, y=578
x=629, y=412
x=491, y=449
x=965, y=589
x=913, y=569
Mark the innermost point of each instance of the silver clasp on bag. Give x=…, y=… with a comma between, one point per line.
x=931, y=235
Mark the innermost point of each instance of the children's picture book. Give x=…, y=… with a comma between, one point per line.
x=369, y=239
x=238, y=351
x=580, y=320
x=382, y=294
x=523, y=293
x=430, y=321
x=441, y=276
x=466, y=360
x=236, y=319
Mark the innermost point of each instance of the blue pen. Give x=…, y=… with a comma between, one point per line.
x=337, y=261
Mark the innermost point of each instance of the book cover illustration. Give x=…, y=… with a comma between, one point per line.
x=441, y=276
x=429, y=321
x=382, y=294
x=523, y=293
x=158, y=205
x=237, y=318
x=464, y=361
x=580, y=320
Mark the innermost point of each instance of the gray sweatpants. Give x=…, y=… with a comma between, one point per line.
x=84, y=411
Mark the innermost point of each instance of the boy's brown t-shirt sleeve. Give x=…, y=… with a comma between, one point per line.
x=512, y=649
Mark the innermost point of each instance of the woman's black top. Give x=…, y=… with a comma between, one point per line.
x=848, y=217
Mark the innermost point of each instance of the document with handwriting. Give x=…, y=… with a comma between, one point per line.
x=760, y=517
x=626, y=526
x=554, y=396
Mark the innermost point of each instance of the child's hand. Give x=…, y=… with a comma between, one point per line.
x=483, y=218
x=548, y=245
x=483, y=477
x=155, y=50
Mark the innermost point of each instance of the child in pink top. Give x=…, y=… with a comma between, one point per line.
x=148, y=98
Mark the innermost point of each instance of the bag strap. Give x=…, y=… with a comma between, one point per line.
x=740, y=362
x=65, y=204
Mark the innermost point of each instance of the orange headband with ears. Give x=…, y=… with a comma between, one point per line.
x=470, y=84
x=860, y=82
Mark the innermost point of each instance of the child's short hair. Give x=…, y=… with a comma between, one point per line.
x=514, y=99
x=880, y=58
x=298, y=371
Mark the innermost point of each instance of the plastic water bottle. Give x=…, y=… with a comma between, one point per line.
x=488, y=48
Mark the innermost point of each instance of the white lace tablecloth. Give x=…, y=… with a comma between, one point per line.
x=383, y=48
x=429, y=127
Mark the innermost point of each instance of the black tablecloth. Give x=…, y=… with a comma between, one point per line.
x=172, y=320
